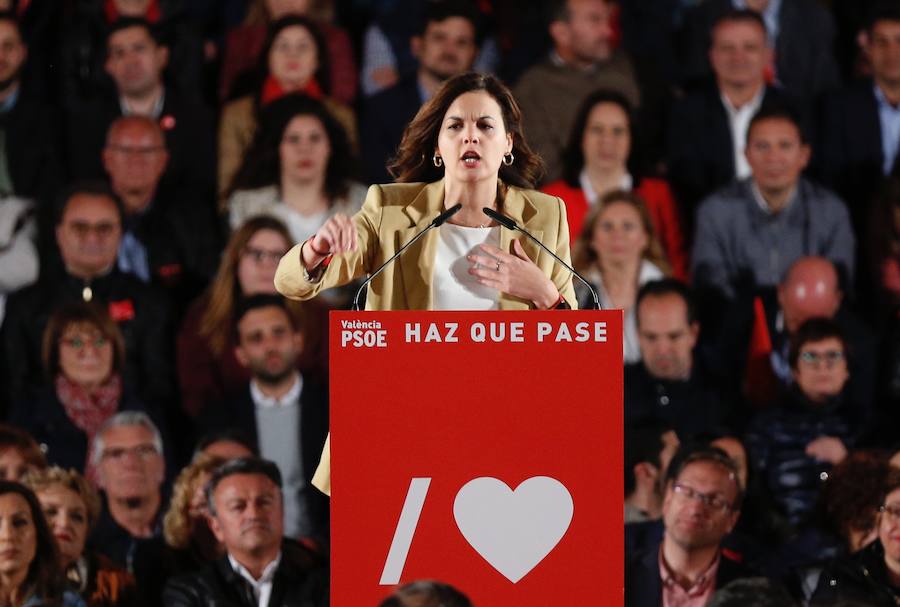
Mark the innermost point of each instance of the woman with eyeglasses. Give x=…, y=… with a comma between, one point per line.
x=84, y=360
x=71, y=507
x=208, y=370
x=794, y=444
x=870, y=576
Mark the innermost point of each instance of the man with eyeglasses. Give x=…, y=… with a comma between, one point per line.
x=169, y=239
x=870, y=576
x=701, y=505
x=284, y=412
x=128, y=455
x=88, y=232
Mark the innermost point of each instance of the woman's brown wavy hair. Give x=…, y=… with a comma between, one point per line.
x=413, y=159
x=224, y=292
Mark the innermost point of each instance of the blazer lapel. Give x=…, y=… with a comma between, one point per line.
x=523, y=211
x=417, y=262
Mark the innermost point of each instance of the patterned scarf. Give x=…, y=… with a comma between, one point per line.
x=88, y=410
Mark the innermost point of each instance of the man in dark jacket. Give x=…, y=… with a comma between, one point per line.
x=168, y=240
x=136, y=59
x=702, y=505
x=260, y=568
x=285, y=413
x=669, y=385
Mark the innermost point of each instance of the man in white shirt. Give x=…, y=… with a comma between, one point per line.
x=260, y=569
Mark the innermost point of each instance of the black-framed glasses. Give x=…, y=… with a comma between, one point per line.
x=891, y=510
x=712, y=500
x=260, y=255
x=830, y=358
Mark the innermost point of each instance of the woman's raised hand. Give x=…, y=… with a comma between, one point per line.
x=336, y=236
x=515, y=274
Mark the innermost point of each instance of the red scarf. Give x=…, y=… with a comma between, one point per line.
x=87, y=410
x=273, y=90
x=112, y=13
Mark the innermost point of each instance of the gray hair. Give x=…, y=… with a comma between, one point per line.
x=125, y=418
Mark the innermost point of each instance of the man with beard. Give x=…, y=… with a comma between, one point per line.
x=669, y=385
x=29, y=128
x=285, y=413
x=702, y=505
x=246, y=510
x=447, y=45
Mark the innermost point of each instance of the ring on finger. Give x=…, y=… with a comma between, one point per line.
x=498, y=266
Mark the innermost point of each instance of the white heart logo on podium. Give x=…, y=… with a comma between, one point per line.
x=513, y=530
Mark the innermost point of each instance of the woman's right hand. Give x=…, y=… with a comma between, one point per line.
x=337, y=235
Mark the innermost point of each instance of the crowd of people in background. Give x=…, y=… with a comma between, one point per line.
x=731, y=180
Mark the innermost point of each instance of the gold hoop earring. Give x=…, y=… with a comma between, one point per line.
x=508, y=159
x=437, y=160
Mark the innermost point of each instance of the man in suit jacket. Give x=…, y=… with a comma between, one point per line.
x=701, y=506
x=860, y=130
x=260, y=567
x=135, y=62
x=446, y=45
x=284, y=412
x=708, y=128
x=169, y=240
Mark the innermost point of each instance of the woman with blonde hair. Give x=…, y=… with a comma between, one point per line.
x=71, y=508
x=617, y=251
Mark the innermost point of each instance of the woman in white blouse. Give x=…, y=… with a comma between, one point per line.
x=299, y=169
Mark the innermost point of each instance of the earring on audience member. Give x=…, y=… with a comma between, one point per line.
x=437, y=160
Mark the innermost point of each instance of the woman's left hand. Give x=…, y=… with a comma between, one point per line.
x=514, y=274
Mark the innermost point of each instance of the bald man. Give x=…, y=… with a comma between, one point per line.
x=810, y=289
x=166, y=239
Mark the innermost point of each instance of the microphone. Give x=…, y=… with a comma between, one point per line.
x=436, y=222
x=510, y=224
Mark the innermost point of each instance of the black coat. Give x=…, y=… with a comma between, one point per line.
x=861, y=577
x=643, y=586
x=300, y=581
x=385, y=115
x=141, y=311
x=691, y=407
x=849, y=154
x=190, y=139
x=182, y=239
x=239, y=413
x=33, y=143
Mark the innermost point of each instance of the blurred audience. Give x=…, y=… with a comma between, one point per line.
x=19, y=453
x=426, y=593
x=648, y=450
x=293, y=60
x=599, y=159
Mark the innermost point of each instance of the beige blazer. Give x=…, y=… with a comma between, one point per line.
x=390, y=217
x=393, y=214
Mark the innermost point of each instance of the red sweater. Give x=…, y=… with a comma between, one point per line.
x=660, y=203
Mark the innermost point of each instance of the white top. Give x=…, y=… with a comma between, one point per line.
x=245, y=204
x=262, y=588
x=452, y=287
x=630, y=346
x=627, y=184
x=739, y=121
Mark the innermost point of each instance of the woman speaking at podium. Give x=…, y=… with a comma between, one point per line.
x=465, y=146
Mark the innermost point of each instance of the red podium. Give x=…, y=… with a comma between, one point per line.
x=480, y=449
